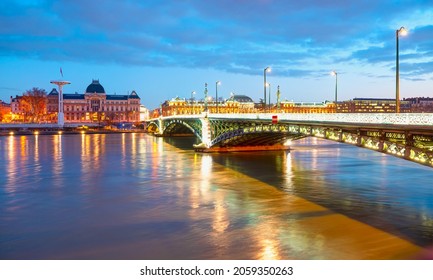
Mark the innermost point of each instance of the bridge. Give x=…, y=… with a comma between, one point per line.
x=409, y=136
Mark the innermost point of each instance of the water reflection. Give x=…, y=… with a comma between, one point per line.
x=58, y=165
x=11, y=167
x=288, y=172
x=132, y=196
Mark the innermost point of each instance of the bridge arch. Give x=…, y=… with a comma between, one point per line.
x=182, y=126
x=153, y=127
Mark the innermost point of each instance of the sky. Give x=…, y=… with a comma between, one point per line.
x=168, y=49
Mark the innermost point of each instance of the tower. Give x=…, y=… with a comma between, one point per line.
x=60, y=115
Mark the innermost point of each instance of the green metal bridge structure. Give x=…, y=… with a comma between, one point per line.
x=408, y=136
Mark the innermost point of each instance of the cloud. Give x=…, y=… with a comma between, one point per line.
x=299, y=38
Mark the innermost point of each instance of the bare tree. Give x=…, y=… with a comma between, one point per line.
x=34, y=104
x=3, y=111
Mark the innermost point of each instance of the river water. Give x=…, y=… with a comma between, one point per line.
x=134, y=196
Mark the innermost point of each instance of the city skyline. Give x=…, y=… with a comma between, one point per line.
x=168, y=49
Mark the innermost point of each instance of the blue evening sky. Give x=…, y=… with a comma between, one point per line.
x=164, y=49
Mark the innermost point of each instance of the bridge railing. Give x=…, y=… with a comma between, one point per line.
x=367, y=118
x=423, y=119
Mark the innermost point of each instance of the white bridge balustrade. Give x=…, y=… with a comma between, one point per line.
x=418, y=119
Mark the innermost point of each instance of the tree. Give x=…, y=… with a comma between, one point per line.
x=33, y=104
x=3, y=111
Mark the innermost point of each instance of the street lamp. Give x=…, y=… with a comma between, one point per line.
x=278, y=97
x=205, y=97
x=269, y=95
x=267, y=69
x=334, y=73
x=216, y=94
x=403, y=32
x=192, y=101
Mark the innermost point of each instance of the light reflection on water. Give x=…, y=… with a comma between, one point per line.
x=133, y=196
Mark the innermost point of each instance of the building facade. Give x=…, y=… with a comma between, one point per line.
x=306, y=107
x=95, y=105
x=15, y=105
x=372, y=105
x=5, y=111
x=180, y=106
x=420, y=104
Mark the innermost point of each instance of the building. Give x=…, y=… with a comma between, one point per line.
x=420, y=104
x=306, y=107
x=180, y=106
x=15, y=105
x=239, y=104
x=5, y=111
x=372, y=105
x=144, y=113
x=95, y=105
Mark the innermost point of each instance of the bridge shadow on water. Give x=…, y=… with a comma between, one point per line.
x=382, y=191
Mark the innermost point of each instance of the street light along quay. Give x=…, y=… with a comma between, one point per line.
x=334, y=73
x=205, y=97
x=192, y=101
x=216, y=94
x=403, y=32
x=269, y=96
x=267, y=69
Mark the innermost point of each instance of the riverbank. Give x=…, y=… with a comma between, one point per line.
x=61, y=131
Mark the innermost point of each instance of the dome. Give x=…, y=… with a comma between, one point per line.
x=241, y=99
x=95, y=87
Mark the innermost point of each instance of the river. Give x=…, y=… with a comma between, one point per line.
x=135, y=196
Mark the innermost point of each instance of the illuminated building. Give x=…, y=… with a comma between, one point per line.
x=239, y=104
x=96, y=106
x=372, y=105
x=420, y=104
x=5, y=110
x=179, y=106
x=15, y=105
x=144, y=113
x=306, y=107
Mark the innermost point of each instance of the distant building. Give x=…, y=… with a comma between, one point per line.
x=238, y=104
x=181, y=106
x=372, y=105
x=144, y=113
x=15, y=105
x=420, y=104
x=5, y=110
x=96, y=106
x=307, y=107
